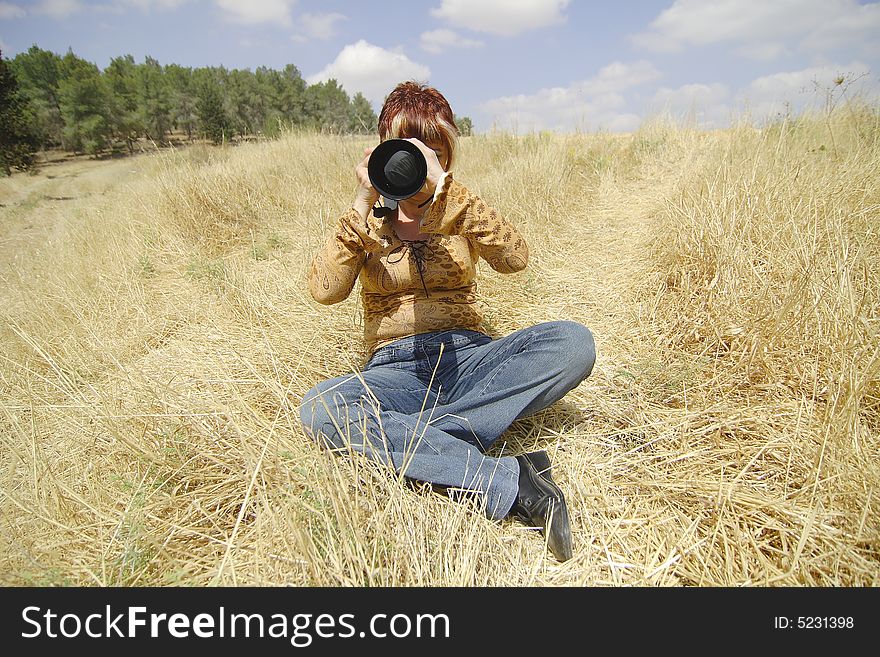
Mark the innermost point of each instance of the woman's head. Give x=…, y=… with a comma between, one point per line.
x=416, y=110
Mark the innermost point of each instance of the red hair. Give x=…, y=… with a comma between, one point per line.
x=417, y=110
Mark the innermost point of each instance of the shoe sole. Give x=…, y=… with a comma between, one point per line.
x=561, y=549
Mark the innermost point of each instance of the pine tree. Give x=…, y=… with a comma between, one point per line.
x=239, y=101
x=18, y=142
x=465, y=125
x=72, y=104
x=292, y=96
x=122, y=81
x=154, y=100
x=183, y=98
x=39, y=75
x=363, y=118
x=267, y=88
x=85, y=106
x=213, y=122
x=328, y=106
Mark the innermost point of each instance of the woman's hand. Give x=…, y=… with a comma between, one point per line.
x=366, y=195
x=435, y=169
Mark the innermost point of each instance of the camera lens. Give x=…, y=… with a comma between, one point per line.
x=397, y=169
x=402, y=169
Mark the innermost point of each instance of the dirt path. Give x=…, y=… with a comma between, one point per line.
x=612, y=246
x=32, y=205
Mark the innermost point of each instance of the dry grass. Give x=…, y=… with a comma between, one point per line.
x=157, y=336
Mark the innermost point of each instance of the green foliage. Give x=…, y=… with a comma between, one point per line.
x=183, y=98
x=465, y=125
x=363, y=118
x=155, y=100
x=75, y=105
x=18, y=141
x=213, y=121
x=39, y=73
x=122, y=82
x=291, y=100
x=85, y=106
x=328, y=107
x=246, y=106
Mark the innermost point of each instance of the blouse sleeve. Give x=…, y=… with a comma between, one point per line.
x=336, y=266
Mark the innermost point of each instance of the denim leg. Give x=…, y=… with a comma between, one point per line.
x=513, y=377
x=383, y=413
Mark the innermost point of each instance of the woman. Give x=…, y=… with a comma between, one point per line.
x=437, y=391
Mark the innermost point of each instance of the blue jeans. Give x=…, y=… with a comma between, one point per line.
x=430, y=405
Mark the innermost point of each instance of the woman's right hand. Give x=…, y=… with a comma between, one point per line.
x=366, y=195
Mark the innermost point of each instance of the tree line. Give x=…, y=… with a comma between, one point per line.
x=53, y=101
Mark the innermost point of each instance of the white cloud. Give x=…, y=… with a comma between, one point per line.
x=705, y=104
x=714, y=105
x=147, y=5
x=502, y=17
x=371, y=70
x=762, y=52
x=321, y=26
x=63, y=8
x=859, y=24
x=618, y=76
x=317, y=26
x=436, y=41
x=560, y=109
x=58, y=8
x=773, y=94
x=761, y=26
x=596, y=103
x=9, y=10
x=253, y=12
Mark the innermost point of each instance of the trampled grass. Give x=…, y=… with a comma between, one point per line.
x=157, y=336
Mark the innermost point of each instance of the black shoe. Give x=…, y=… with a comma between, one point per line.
x=541, y=462
x=540, y=503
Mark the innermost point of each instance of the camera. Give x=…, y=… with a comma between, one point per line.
x=397, y=170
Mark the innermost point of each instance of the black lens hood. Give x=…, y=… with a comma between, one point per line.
x=397, y=169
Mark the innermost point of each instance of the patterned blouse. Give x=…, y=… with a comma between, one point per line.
x=411, y=287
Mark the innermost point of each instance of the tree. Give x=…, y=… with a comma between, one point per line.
x=73, y=104
x=183, y=98
x=327, y=106
x=122, y=82
x=18, y=141
x=268, y=86
x=465, y=126
x=245, y=107
x=85, y=105
x=292, y=96
x=213, y=122
x=39, y=74
x=154, y=100
x=363, y=118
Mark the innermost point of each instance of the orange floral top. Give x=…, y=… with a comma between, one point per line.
x=420, y=286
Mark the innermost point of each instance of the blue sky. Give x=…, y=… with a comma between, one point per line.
x=517, y=65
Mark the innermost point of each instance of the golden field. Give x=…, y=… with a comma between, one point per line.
x=156, y=336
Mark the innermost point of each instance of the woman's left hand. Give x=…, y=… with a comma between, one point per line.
x=435, y=170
